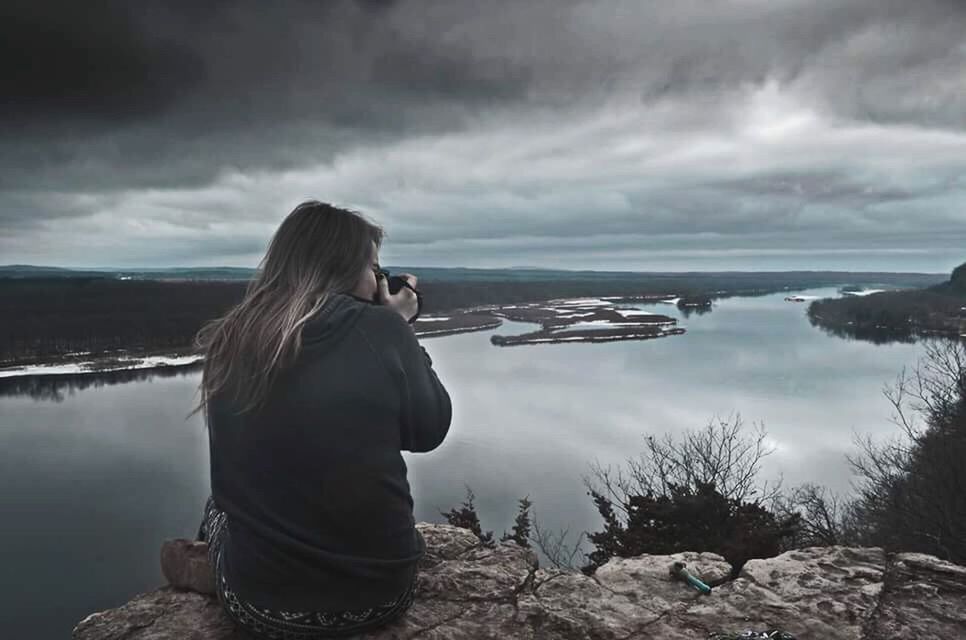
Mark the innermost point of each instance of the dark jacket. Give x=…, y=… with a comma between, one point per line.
x=320, y=515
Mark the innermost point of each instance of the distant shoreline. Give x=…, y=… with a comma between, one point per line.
x=105, y=363
x=590, y=319
x=48, y=318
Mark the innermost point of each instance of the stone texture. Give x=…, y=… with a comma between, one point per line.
x=923, y=597
x=165, y=613
x=468, y=591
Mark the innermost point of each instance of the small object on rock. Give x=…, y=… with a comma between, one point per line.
x=772, y=634
x=185, y=565
x=678, y=571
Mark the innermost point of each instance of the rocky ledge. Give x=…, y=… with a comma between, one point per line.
x=468, y=591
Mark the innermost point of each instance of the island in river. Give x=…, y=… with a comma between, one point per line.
x=585, y=320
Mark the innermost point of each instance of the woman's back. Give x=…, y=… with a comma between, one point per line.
x=313, y=483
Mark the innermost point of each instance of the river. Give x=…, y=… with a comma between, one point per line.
x=95, y=478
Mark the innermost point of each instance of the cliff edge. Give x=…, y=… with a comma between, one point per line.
x=468, y=591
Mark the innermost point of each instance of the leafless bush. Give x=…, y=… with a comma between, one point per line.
x=722, y=455
x=825, y=517
x=697, y=490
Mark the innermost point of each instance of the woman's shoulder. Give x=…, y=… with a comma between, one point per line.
x=380, y=317
x=346, y=314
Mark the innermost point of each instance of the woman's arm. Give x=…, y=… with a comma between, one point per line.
x=425, y=407
x=427, y=410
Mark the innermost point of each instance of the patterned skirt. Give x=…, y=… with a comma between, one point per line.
x=269, y=624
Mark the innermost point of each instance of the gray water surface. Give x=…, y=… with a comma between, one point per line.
x=94, y=481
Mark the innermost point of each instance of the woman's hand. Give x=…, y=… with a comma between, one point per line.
x=404, y=302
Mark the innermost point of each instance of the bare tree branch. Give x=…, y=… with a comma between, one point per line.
x=554, y=547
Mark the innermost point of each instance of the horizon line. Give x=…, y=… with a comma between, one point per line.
x=514, y=268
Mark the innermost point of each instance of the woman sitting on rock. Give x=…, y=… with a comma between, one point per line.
x=312, y=387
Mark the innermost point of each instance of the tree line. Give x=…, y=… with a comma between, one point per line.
x=896, y=316
x=46, y=317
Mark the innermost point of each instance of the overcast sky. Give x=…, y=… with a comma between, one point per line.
x=684, y=135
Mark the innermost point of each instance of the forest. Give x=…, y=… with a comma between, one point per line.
x=47, y=317
x=896, y=316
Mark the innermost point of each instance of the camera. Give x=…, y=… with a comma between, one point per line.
x=395, y=284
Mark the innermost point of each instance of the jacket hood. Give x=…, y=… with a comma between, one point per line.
x=336, y=316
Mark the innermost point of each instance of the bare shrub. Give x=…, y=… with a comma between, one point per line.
x=697, y=491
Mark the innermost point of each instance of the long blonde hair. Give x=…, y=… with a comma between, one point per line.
x=317, y=251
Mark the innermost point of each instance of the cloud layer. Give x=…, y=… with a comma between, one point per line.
x=636, y=135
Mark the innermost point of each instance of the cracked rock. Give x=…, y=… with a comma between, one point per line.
x=468, y=591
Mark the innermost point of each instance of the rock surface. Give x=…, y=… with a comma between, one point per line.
x=468, y=591
x=184, y=564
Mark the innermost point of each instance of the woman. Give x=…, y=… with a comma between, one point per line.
x=312, y=387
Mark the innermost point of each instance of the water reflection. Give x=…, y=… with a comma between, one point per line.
x=873, y=334
x=688, y=311
x=93, y=481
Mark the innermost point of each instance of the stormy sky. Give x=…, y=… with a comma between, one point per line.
x=638, y=135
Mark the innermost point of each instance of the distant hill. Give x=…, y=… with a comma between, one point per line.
x=956, y=283
x=515, y=274
x=31, y=271
x=170, y=273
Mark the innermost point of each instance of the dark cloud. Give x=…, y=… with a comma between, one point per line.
x=87, y=63
x=164, y=93
x=461, y=121
x=153, y=84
